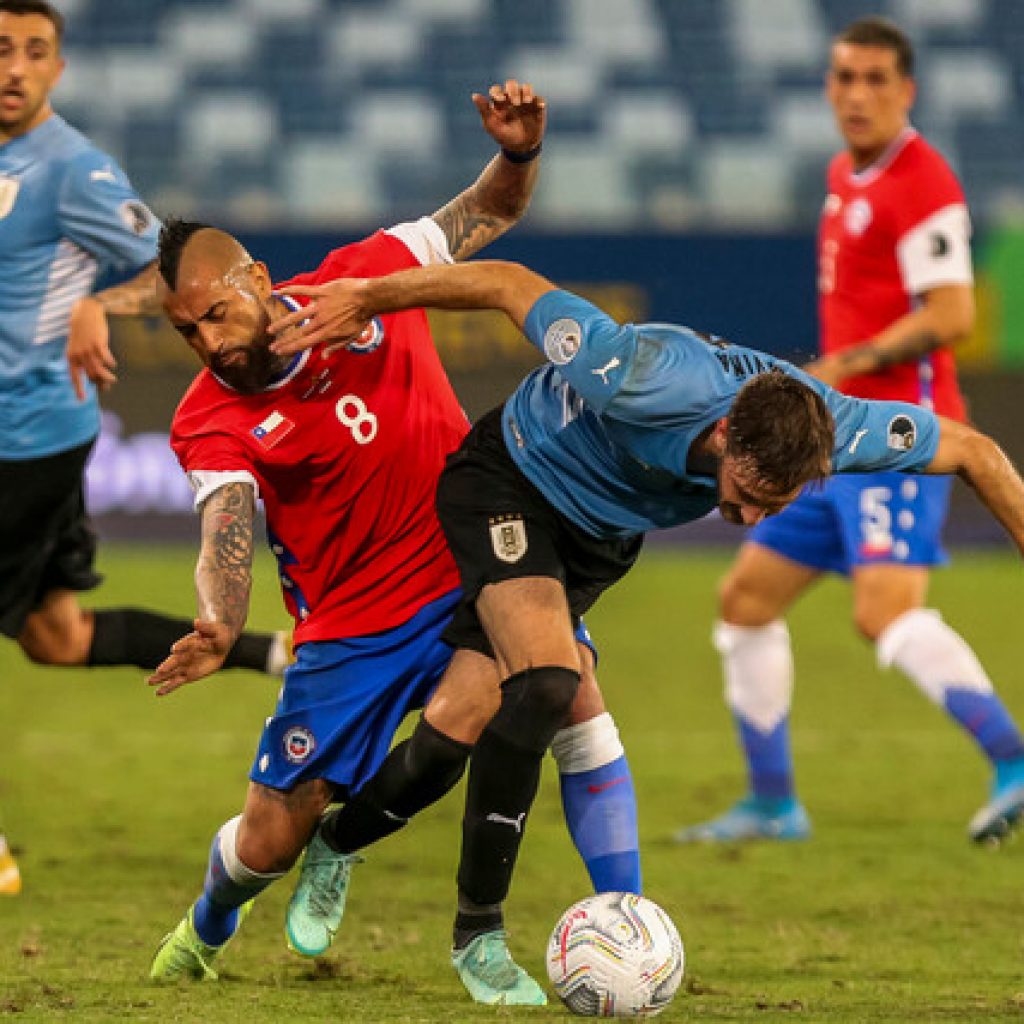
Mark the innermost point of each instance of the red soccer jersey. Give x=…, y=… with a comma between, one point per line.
x=345, y=452
x=887, y=235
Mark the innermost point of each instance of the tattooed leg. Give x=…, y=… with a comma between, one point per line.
x=252, y=851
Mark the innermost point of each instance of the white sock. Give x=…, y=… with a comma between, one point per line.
x=587, y=745
x=933, y=656
x=280, y=654
x=758, y=667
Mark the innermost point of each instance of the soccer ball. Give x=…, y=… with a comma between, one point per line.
x=615, y=955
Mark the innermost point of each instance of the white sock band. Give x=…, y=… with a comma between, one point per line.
x=588, y=745
x=758, y=667
x=933, y=656
x=236, y=870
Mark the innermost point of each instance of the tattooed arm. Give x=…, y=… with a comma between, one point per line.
x=514, y=117
x=223, y=582
x=224, y=569
x=88, y=351
x=944, y=318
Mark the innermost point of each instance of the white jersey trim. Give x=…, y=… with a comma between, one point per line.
x=424, y=239
x=937, y=251
x=868, y=174
x=206, y=481
x=72, y=275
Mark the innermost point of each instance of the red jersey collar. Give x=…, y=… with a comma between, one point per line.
x=882, y=164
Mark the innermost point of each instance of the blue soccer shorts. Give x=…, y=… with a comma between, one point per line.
x=343, y=700
x=861, y=519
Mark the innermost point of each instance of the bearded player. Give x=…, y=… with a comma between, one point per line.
x=344, y=444
x=895, y=296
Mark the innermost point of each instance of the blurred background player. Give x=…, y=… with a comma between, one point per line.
x=895, y=291
x=67, y=216
x=345, y=445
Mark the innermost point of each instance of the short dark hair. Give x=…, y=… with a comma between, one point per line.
x=780, y=432
x=174, y=236
x=886, y=34
x=47, y=10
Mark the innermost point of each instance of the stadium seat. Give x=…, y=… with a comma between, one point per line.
x=784, y=33
x=746, y=183
x=966, y=84
x=725, y=93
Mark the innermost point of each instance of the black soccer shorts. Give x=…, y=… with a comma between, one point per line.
x=46, y=541
x=500, y=527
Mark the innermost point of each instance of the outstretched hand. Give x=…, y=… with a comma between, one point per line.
x=333, y=313
x=513, y=115
x=193, y=657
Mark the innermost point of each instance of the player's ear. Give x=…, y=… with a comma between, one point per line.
x=260, y=277
x=909, y=92
x=717, y=437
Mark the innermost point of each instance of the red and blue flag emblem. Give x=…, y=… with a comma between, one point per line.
x=273, y=429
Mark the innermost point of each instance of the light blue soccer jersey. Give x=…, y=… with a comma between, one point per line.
x=67, y=215
x=604, y=430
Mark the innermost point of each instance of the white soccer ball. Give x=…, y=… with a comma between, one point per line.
x=615, y=955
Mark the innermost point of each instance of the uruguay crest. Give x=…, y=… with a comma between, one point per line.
x=508, y=537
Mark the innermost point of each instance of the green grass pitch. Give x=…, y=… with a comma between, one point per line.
x=888, y=914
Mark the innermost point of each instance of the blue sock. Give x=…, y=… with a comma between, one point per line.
x=985, y=717
x=600, y=810
x=769, y=762
x=215, y=914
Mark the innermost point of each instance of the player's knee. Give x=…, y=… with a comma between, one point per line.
x=551, y=690
x=741, y=602
x=48, y=643
x=535, y=704
x=276, y=825
x=267, y=854
x=35, y=648
x=870, y=620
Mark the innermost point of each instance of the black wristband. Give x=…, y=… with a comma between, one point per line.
x=521, y=158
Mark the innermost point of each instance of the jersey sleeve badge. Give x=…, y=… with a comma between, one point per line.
x=562, y=341
x=902, y=433
x=8, y=193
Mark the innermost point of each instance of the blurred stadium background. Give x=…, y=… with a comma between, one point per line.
x=683, y=170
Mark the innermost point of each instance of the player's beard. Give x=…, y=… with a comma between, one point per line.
x=250, y=368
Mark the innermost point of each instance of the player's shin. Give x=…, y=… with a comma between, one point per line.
x=228, y=885
x=415, y=774
x=504, y=773
x=946, y=670
x=758, y=667
x=599, y=802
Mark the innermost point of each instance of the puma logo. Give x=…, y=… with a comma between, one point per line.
x=856, y=441
x=607, y=368
x=500, y=819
